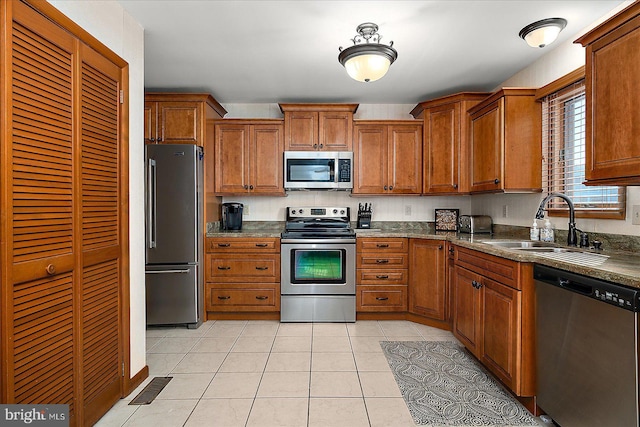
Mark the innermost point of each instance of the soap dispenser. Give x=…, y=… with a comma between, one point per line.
x=546, y=234
x=534, y=232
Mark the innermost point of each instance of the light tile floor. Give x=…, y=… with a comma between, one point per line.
x=271, y=374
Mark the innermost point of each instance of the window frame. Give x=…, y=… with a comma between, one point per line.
x=554, y=87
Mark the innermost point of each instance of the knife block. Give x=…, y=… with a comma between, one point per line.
x=364, y=220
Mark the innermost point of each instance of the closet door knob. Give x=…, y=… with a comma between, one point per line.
x=51, y=269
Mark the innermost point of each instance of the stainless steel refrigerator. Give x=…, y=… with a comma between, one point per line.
x=174, y=259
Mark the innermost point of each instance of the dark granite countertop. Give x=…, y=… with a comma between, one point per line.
x=620, y=267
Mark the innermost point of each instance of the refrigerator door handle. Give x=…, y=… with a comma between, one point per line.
x=166, y=271
x=151, y=185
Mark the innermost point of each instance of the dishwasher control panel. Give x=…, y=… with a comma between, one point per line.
x=607, y=292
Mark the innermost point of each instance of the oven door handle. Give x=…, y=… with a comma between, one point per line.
x=319, y=241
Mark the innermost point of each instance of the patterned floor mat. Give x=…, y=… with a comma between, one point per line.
x=444, y=386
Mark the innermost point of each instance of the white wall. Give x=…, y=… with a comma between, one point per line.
x=108, y=22
x=521, y=208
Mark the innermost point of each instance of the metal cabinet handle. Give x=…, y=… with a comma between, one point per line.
x=262, y=268
x=246, y=187
x=321, y=146
x=496, y=181
x=451, y=250
x=382, y=277
x=474, y=284
x=439, y=247
x=51, y=269
x=315, y=146
x=224, y=268
x=261, y=245
x=382, y=245
x=391, y=187
x=223, y=297
x=382, y=298
x=385, y=187
x=261, y=297
x=251, y=187
x=382, y=261
x=152, y=139
x=224, y=245
x=455, y=186
x=159, y=140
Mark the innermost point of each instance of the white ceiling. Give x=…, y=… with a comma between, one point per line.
x=287, y=51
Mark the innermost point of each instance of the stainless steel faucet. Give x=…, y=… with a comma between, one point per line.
x=572, y=238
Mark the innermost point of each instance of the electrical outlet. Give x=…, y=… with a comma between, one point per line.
x=245, y=210
x=407, y=210
x=635, y=215
x=505, y=211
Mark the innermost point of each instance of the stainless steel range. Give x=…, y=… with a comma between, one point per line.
x=318, y=266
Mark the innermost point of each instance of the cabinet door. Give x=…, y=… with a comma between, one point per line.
x=501, y=331
x=467, y=306
x=301, y=130
x=441, y=149
x=486, y=148
x=150, y=121
x=265, y=176
x=613, y=119
x=370, y=157
x=232, y=158
x=335, y=131
x=427, y=278
x=405, y=159
x=179, y=123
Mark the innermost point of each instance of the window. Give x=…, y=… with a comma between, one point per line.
x=563, y=158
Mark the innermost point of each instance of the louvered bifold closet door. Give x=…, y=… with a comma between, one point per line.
x=40, y=345
x=101, y=347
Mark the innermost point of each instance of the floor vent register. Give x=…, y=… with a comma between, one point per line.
x=151, y=391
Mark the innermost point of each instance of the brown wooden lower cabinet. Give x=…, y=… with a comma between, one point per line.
x=242, y=275
x=427, y=279
x=382, y=274
x=493, y=316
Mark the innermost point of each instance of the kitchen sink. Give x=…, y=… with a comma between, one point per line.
x=519, y=244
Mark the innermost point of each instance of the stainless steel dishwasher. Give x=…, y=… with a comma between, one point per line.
x=587, y=350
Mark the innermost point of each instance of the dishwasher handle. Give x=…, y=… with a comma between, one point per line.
x=575, y=286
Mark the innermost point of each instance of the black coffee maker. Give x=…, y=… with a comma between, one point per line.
x=231, y=216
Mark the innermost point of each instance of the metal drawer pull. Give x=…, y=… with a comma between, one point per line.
x=382, y=245
x=382, y=261
x=440, y=247
x=260, y=297
x=224, y=297
x=382, y=277
x=224, y=245
x=224, y=268
x=51, y=269
x=261, y=245
x=382, y=298
x=262, y=268
x=476, y=284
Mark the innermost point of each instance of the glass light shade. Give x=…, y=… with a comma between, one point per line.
x=542, y=36
x=367, y=67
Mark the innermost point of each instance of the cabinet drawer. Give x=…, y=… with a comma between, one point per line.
x=378, y=245
x=242, y=245
x=382, y=260
x=242, y=299
x=231, y=268
x=368, y=276
x=500, y=269
x=381, y=298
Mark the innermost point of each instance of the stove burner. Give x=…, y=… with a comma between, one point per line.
x=318, y=223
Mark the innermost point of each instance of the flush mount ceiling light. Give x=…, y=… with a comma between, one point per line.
x=544, y=32
x=367, y=60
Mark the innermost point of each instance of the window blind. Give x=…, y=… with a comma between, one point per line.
x=563, y=157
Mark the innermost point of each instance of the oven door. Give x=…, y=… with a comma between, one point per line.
x=318, y=267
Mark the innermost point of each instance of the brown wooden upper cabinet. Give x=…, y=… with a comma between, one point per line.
x=388, y=157
x=506, y=142
x=318, y=127
x=178, y=118
x=612, y=79
x=446, y=142
x=248, y=157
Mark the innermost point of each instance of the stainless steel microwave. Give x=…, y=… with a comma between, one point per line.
x=318, y=170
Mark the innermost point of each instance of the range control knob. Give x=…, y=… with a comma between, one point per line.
x=335, y=211
x=299, y=211
x=341, y=211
